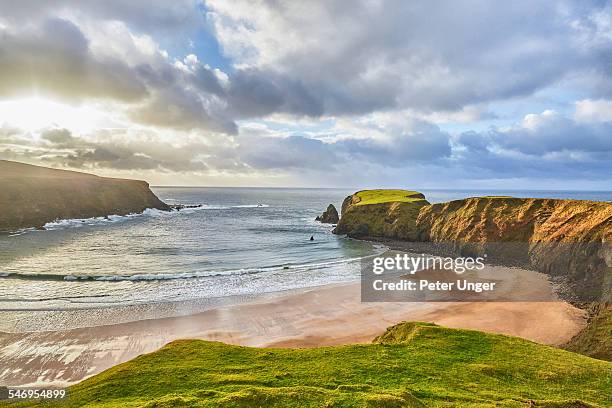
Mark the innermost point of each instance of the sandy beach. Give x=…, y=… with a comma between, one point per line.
x=322, y=316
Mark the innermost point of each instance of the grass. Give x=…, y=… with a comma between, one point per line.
x=595, y=339
x=411, y=365
x=367, y=197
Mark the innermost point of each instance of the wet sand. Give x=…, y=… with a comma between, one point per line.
x=328, y=315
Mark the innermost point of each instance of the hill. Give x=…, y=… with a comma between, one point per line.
x=32, y=195
x=411, y=365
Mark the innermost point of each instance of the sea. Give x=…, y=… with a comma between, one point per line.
x=240, y=244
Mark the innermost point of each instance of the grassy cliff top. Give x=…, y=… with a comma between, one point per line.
x=22, y=171
x=411, y=365
x=366, y=197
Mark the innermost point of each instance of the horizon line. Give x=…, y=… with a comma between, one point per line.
x=382, y=188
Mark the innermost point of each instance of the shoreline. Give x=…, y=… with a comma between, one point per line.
x=326, y=315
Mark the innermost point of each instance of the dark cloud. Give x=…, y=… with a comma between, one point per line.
x=59, y=137
x=64, y=149
x=179, y=108
x=255, y=93
x=56, y=59
x=543, y=134
x=143, y=15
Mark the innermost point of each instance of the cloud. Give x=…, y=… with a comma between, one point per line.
x=294, y=152
x=320, y=90
x=144, y=15
x=60, y=137
x=403, y=143
x=359, y=57
x=547, y=145
x=588, y=110
x=57, y=59
x=108, y=149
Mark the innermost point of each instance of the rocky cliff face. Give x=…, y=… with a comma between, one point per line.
x=567, y=239
x=381, y=215
x=570, y=239
x=31, y=196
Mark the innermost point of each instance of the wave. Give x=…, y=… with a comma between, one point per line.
x=229, y=207
x=184, y=275
x=113, y=218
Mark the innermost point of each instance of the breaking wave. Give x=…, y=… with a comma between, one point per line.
x=111, y=219
x=186, y=275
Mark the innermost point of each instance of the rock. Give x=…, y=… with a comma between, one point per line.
x=179, y=207
x=329, y=216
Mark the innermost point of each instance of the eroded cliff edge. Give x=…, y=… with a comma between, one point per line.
x=570, y=240
x=31, y=196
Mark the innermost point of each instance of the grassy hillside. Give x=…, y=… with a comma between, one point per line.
x=32, y=195
x=412, y=364
x=366, y=197
x=595, y=339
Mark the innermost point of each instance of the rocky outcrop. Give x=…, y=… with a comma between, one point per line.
x=329, y=216
x=381, y=215
x=31, y=196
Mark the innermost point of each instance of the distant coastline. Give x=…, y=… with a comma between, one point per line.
x=33, y=196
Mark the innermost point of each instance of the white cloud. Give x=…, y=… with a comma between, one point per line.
x=588, y=110
x=359, y=57
x=315, y=91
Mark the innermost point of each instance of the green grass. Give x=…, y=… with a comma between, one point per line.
x=595, y=339
x=412, y=364
x=385, y=196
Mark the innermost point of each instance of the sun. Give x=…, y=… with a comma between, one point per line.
x=32, y=114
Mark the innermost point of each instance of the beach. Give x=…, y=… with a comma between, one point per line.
x=322, y=316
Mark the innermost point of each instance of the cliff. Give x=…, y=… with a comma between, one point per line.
x=595, y=339
x=381, y=213
x=570, y=240
x=31, y=196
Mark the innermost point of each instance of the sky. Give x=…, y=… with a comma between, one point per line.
x=356, y=94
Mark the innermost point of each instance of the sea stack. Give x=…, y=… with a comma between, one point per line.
x=329, y=216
